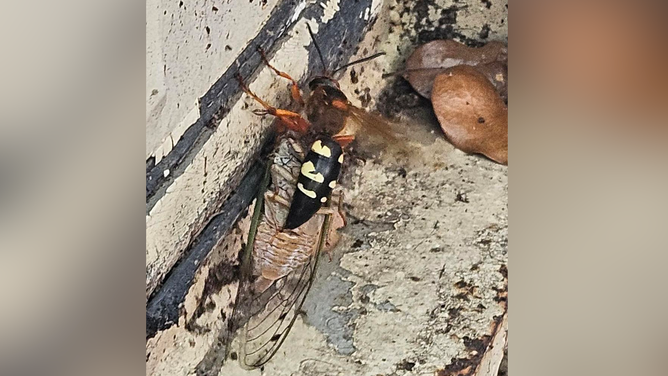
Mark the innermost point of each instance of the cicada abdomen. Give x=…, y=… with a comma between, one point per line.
x=279, y=270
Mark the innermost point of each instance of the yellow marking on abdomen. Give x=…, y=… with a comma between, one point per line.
x=308, y=170
x=332, y=184
x=341, y=158
x=321, y=149
x=305, y=191
x=323, y=200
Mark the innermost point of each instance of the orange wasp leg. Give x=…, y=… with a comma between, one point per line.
x=296, y=94
x=343, y=139
x=292, y=120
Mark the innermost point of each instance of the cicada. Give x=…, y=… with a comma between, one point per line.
x=298, y=211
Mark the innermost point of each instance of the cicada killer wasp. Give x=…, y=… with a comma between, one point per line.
x=298, y=210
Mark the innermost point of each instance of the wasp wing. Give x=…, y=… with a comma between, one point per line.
x=372, y=129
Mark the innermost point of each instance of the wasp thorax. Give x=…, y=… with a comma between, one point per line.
x=327, y=109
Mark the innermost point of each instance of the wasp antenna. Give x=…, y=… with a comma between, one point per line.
x=317, y=48
x=362, y=60
x=404, y=71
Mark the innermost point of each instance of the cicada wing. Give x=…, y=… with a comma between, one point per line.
x=269, y=315
x=245, y=287
x=273, y=314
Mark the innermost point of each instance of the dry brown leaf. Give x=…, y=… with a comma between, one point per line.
x=497, y=73
x=433, y=58
x=471, y=113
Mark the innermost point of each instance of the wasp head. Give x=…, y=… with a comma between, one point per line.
x=323, y=81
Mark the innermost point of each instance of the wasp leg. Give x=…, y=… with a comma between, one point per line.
x=296, y=94
x=343, y=139
x=292, y=120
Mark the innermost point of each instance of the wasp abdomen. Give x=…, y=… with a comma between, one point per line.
x=317, y=178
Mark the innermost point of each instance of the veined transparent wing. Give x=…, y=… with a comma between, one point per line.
x=372, y=129
x=266, y=317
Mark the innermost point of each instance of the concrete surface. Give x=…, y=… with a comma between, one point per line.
x=419, y=280
x=189, y=43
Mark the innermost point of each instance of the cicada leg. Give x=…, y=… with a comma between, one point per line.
x=338, y=196
x=296, y=94
x=275, y=197
x=326, y=210
x=338, y=220
x=289, y=119
x=283, y=173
